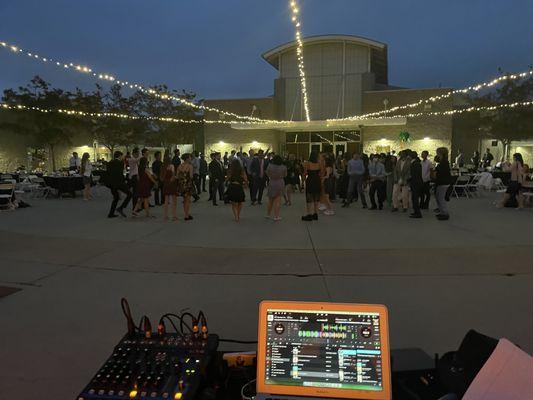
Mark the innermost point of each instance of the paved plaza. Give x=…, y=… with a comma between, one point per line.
x=73, y=265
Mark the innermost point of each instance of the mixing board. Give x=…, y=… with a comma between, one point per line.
x=165, y=367
x=155, y=366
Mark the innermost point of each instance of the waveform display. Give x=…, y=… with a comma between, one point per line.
x=322, y=335
x=336, y=328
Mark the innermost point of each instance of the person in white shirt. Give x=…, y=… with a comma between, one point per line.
x=74, y=162
x=425, y=194
x=86, y=173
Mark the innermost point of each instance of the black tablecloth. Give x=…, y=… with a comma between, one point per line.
x=64, y=184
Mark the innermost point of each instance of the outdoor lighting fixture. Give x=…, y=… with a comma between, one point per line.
x=221, y=143
x=427, y=138
x=255, y=143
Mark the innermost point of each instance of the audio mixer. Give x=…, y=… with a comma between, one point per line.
x=154, y=365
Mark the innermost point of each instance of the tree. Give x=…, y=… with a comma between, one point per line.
x=505, y=124
x=47, y=130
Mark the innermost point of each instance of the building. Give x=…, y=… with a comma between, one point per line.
x=346, y=76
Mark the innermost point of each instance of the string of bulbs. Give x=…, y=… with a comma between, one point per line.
x=300, y=56
x=14, y=49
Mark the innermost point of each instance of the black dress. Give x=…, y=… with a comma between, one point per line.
x=235, y=190
x=312, y=186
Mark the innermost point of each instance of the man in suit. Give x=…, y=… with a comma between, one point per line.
x=402, y=176
x=116, y=182
x=216, y=178
x=416, y=184
x=157, y=166
x=203, y=172
x=258, y=172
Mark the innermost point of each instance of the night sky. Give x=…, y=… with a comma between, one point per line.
x=214, y=47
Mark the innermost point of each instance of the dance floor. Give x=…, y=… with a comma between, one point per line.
x=73, y=265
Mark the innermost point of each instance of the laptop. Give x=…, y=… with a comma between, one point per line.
x=323, y=350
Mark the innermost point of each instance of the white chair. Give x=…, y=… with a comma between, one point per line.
x=7, y=191
x=498, y=186
x=474, y=186
x=38, y=186
x=461, y=186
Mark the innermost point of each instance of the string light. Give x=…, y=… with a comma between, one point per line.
x=132, y=85
x=466, y=110
x=474, y=88
x=19, y=107
x=300, y=55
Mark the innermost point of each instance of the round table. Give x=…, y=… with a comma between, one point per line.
x=64, y=184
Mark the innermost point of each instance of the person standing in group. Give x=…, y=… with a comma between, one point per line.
x=425, y=194
x=86, y=173
x=400, y=190
x=377, y=176
x=276, y=173
x=251, y=157
x=114, y=178
x=487, y=159
x=460, y=159
x=390, y=165
x=144, y=190
x=356, y=172
x=237, y=180
x=176, y=160
x=133, y=174
x=291, y=180
x=157, y=169
x=184, y=176
x=216, y=178
x=225, y=160
x=415, y=184
x=443, y=180
x=203, y=172
x=195, y=162
x=476, y=160
x=258, y=168
x=514, y=188
x=74, y=162
x=170, y=188
x=313, y=187
x=328, y=184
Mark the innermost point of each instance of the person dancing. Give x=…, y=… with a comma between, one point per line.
x=185, y=184
x=170, y=188
x=312, y=186
x=237, y=180
x=116, y=182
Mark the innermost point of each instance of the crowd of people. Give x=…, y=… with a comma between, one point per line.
x=399, y=182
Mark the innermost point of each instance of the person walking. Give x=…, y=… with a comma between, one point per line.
x=313, y=187
x=133, y=174
x=356, y=173
x=377, y=176
x=425, y=194
x=415, y=184
x=116, y=182
x=195, y=162
x=237, y=180
x=276, y=173
x=86, y=170
x=514, y=188
x=443, y=180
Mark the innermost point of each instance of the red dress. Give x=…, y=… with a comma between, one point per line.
x=144, y=187
x=170, y=186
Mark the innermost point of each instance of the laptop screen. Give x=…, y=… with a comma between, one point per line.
x=336, y=350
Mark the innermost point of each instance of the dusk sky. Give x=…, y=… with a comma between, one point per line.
x=214, y=47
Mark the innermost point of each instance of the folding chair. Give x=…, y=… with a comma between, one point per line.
x=7, y=191
x=38, y=186
x=473, y=186
x=461, y=186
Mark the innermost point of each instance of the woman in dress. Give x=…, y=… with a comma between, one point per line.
x=328, y=183
x=313, y=186
x=514, y=189
x=276, y=173
x=236, y=180
x=184, y=176
x=86, y=173
x=170, y=188
x=443, y=180
x=144, y=188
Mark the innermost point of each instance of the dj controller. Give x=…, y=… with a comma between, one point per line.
x=155, y=365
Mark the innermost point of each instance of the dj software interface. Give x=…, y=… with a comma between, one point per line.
x=329, y=350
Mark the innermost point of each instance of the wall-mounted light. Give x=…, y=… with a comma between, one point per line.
x=255, y=143
x=221, y=143
x=427, y=138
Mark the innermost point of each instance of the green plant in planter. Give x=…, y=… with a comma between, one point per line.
x=404, y=136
